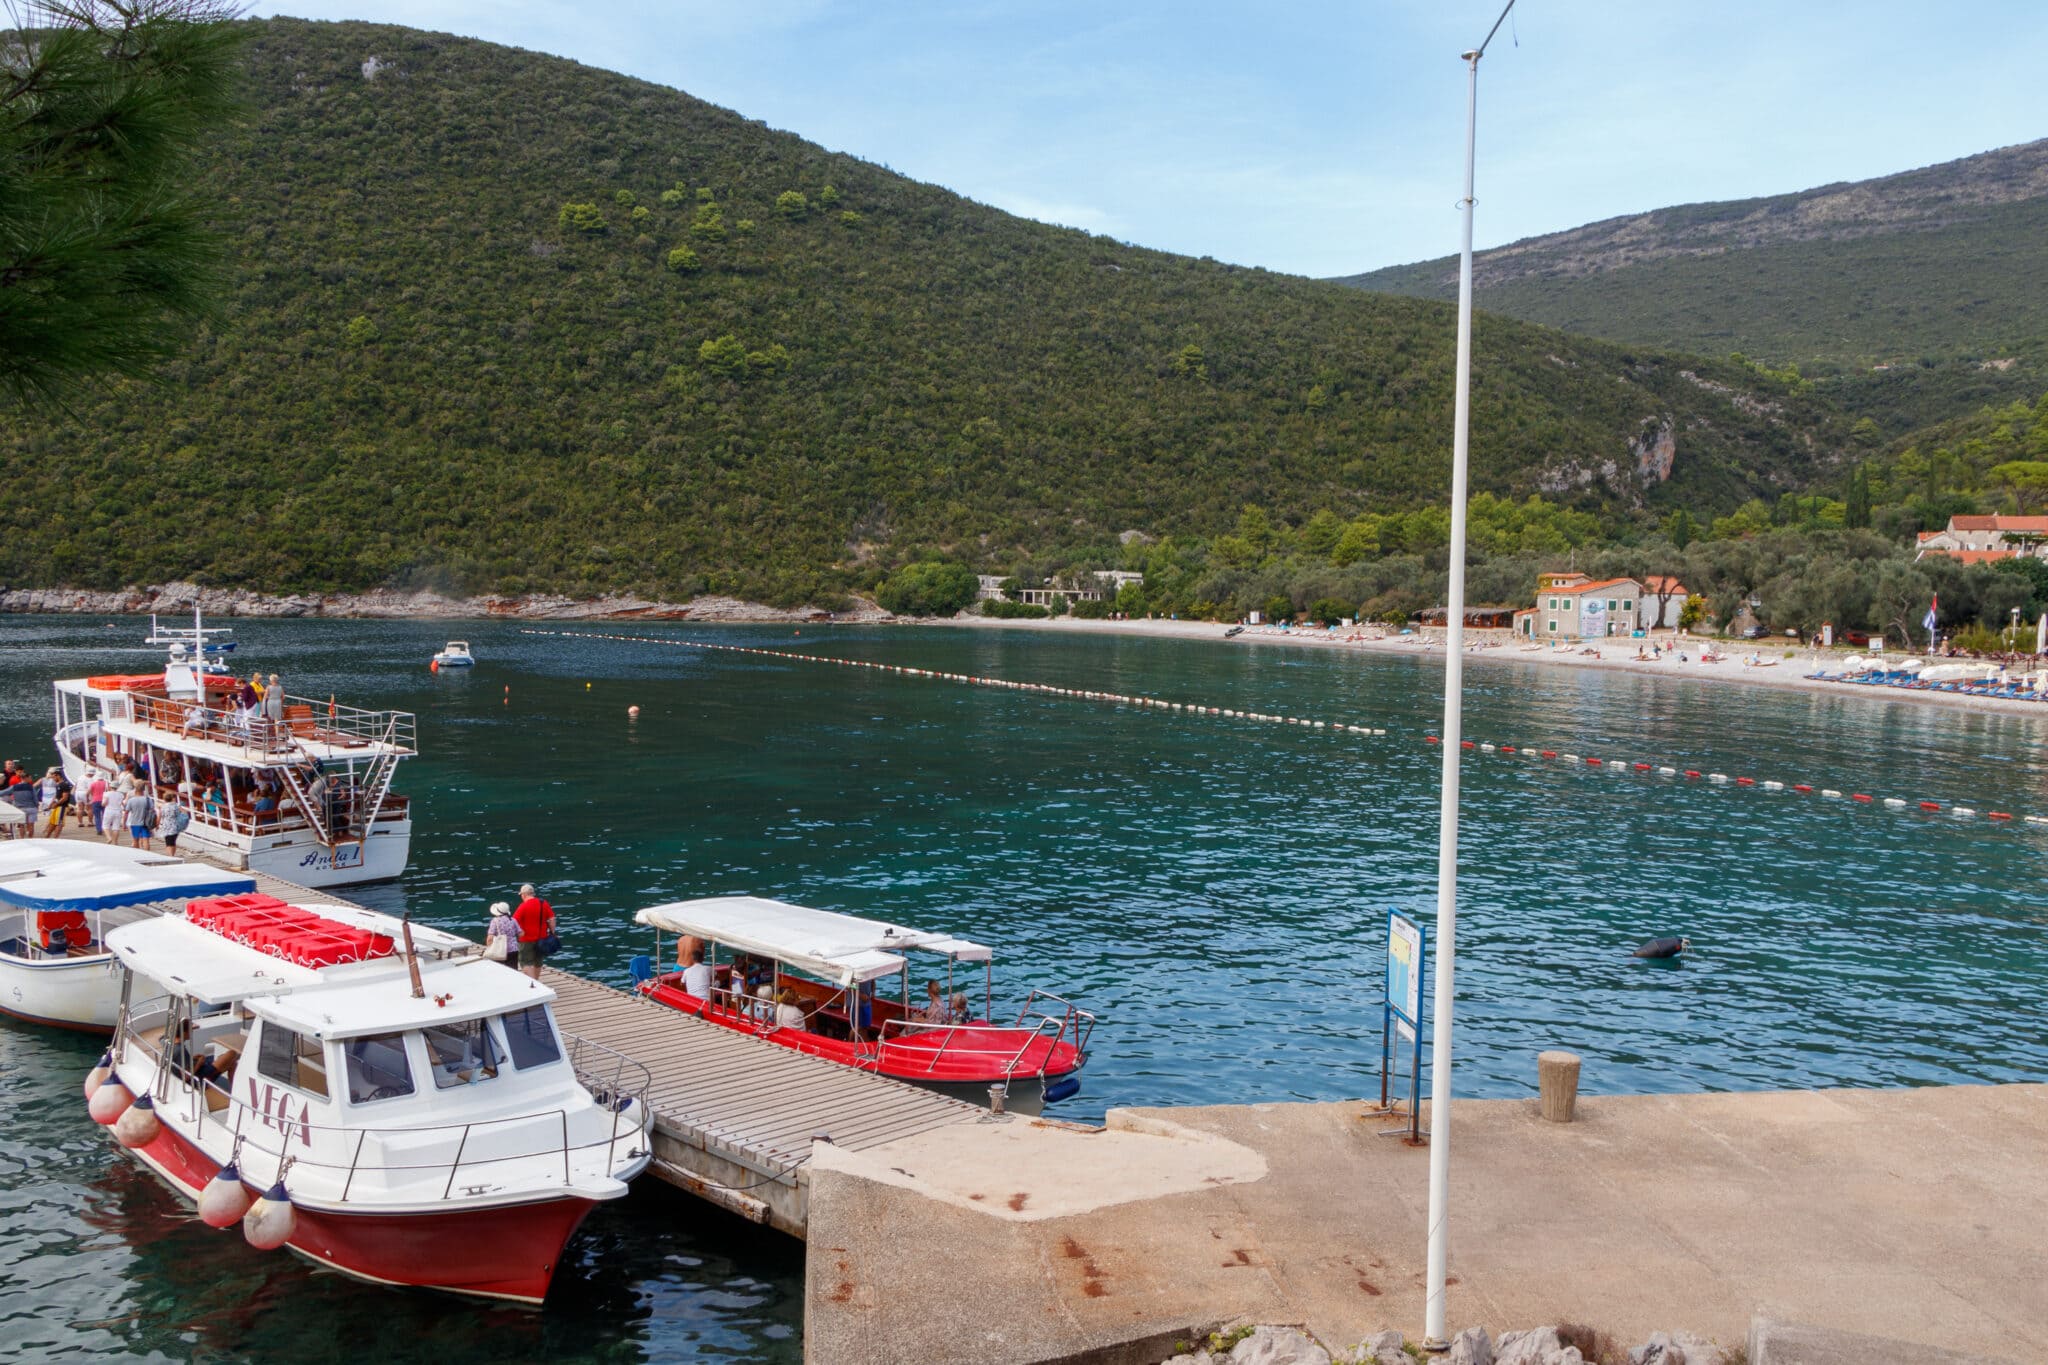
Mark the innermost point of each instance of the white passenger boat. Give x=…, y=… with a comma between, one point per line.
x=301, y=785
x=456, y=655
x=406, y=1107
x=59, y=898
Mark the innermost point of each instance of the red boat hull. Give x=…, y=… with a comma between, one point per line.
x=503, y=1252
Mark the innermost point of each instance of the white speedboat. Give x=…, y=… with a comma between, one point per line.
x=300, y=787
x=455, y=655
x=407, y=1108
x=59, y=898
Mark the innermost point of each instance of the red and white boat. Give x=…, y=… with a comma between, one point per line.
x=406, y=1108
x=808, y=979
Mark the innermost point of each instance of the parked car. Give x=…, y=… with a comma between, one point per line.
x=1855, y=637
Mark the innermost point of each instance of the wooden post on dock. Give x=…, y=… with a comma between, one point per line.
x=1557, y=1083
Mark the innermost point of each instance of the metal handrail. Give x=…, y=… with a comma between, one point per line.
x=1082, y=1021
x=1035, y=1032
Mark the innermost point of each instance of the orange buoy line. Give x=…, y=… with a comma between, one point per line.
x=1625, y=767
x=976, y=680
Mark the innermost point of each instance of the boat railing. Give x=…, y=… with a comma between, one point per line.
x=304, y=720
x=1073, y=1019
x=208, y=1102
x=613, y=1079
x=904, y=1030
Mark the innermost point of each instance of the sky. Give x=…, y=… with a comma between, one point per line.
x=1318, y=138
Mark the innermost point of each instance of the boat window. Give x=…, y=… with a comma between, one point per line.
x=377, y=1068
x=462, y=1054
x=292, y=1058
x=531, y=1038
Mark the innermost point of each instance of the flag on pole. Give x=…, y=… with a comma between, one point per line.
x=1933, y=613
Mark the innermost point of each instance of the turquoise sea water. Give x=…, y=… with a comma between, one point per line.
x=1214, y=889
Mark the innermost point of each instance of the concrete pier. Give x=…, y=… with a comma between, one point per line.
x=1911, y=1214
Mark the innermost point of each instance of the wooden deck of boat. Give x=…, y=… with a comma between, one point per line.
x=734, y=1117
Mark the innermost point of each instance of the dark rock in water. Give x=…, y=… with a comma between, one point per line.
x=1663, y=947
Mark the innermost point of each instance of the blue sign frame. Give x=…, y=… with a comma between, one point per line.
x=1407, y=945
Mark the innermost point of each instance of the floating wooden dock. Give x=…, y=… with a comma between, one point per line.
x=734, y=1117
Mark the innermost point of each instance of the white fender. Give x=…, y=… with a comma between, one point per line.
x=138, y=1125
x=271, y=1220
x=110, y=1101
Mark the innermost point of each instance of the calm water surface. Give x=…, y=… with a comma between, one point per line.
x=1214, y=889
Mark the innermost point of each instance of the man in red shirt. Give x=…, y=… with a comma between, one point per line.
x=536, y=920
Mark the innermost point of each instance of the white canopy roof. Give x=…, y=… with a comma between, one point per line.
x=54, y=874
x=383, y=1002
x=195, y=961
x=841, y=948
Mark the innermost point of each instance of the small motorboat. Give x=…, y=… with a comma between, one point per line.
x=807, y=979
x=1233, y=632
x=456, y=655
x=412, y=1109
x=60, y=898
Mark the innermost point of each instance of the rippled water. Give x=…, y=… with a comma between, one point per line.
x=1215, y=889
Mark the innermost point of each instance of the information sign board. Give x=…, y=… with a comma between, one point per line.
x=1404, y=967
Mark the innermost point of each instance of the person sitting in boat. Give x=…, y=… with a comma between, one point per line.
x=197, y=1067
x=960, y=1007
x=697, y=975
x=198, y=718
x=788, y=1013
x=762, y=1005
x=937, y=1009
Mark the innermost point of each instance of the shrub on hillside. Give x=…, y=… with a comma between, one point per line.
x=1093, y=609
x=932, y=588
x=1013, y=611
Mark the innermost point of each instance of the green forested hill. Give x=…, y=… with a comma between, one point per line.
x=505, y=322
x=1928, y=274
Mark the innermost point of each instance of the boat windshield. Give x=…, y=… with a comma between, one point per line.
x=462, y=1053
x=377, y=1068
x=531, y=1038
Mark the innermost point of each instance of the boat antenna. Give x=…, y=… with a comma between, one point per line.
x=412, y=961
x=1434, y=1338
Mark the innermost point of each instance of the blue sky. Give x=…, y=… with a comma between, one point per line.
x=1320, y=138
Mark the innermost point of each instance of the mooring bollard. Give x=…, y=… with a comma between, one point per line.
x=1557, y=1083
x=996, y=1095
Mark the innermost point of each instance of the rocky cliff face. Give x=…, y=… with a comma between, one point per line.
x=1913, y=201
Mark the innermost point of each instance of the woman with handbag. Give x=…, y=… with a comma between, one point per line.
x=501, y=940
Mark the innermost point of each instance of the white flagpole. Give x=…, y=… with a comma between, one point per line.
x=1434, y=1337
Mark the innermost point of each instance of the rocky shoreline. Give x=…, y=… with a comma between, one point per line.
x=1569, y=1344
x=388, y=604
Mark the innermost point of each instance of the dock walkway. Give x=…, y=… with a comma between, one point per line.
x=734, y=1117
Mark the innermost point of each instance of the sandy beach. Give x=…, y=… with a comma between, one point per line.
x=1777, y=665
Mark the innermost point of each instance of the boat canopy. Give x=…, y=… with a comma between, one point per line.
x=180, y=955
x=48, y=874
x=212, y=960
x=841, y=948
x=383, y=1002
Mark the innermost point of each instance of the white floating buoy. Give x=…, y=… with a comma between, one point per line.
x=1486, y=748
x=110, y=1101
x=1899, y=803
x=632, y=713
x=138, y=1125
x=1774, y=786
x=1667, y=772
x=225, y=1198
x=1569, y=758
x=1829, y=791
x=98, y=1075
x=2030, y=819
x=1960, y=810
x=271, y=1220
